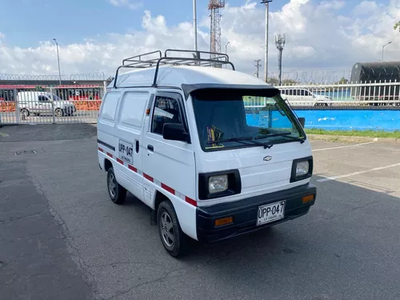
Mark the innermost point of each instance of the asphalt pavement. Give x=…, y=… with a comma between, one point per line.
x=62, y=238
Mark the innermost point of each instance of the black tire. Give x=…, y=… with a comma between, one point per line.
x=58, y=112
x=166, y=214
x=116, y=192
x=25, y=112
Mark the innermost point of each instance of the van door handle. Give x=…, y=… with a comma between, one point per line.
x=137, y=146
x=150, y=147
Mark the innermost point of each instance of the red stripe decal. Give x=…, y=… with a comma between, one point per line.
x=130, y=167
x=109, y=154
x=120, y=161
x=167, y=188
x=148, y=177
x=191, y=201
x=101, y=150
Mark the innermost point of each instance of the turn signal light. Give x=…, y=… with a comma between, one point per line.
x=223, y=221
x=308, y=198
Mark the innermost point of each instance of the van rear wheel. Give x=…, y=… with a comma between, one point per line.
x=116, y=192
x=171, y=234
x=25, y=112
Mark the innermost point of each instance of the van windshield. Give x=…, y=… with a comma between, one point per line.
x=232, y=118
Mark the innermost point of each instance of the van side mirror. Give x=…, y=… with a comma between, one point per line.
x=175, y=132
x=302, y=121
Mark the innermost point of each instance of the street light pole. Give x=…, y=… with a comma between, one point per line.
x=195, y=24
x=383, y=48
x=266, y=2
x=58, y=61
x=226, y=47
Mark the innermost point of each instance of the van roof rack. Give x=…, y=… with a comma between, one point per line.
x=171, y=57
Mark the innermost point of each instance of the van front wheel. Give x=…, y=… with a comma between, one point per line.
x=116, y=192
x=171, y=234
x=59, y=112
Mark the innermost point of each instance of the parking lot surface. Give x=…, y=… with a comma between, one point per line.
x=62, y=238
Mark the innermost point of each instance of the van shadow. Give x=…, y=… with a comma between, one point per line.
x=349, y=240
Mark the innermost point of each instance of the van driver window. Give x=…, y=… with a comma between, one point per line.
x=166, y=110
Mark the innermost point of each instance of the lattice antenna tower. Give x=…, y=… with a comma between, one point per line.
x=215, y=26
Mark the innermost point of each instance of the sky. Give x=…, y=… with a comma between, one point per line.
x=324, y=37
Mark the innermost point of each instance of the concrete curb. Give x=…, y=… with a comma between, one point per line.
x=351, y=139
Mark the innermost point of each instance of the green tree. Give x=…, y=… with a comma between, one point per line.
x=289, y=82
x=273, y=81
x=342, y=81
x=397, y=25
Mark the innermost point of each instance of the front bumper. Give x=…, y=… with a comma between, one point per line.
x=244, y=213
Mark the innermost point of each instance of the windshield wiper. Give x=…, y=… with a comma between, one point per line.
x=283, y=134
x=243, y=140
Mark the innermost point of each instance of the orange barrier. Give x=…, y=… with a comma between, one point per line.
x=7, y=106
x=87, y=104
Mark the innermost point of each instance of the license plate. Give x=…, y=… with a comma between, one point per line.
x=270, y=213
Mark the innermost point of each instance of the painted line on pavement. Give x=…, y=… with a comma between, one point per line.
x=341, y=147
x=357, y=173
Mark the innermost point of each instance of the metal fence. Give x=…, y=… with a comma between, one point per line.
x=350, y=95
x=50, y=105
x=21, y=104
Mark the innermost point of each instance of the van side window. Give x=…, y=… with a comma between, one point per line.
x=166, y=110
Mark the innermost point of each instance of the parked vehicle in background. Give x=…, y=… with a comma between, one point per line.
x=304, y=97
x=176, y=135
x=37, y=103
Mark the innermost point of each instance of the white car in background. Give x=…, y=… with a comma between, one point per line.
x=304, y=97
x=37, y=103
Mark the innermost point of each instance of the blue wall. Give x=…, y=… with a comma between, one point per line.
x=335, y=119
x=387, y=120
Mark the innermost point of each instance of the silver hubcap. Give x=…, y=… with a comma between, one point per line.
x=112, y=185
x=58, y=113
x=167, y=230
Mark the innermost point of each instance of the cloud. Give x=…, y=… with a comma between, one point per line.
x=2, y=35
x=126, y=3
x=318, y=37
x=333, y=4
x=365, y=8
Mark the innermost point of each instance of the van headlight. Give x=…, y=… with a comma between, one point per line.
x=301, y=169
x=218, y=184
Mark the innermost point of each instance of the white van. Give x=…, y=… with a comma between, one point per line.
x=177, y=135
x=304, y=97
x=34, y=102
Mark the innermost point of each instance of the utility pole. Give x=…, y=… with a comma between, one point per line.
x=257, y=64
x=266, y=2
x=280, y=41
x=195, y=24
x=58, y=61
